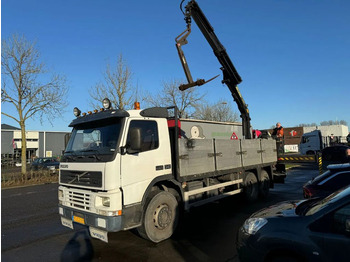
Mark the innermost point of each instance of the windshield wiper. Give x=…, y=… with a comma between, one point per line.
x=71, y=157
x=94, y=155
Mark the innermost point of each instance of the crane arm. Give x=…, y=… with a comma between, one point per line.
x=230, y=75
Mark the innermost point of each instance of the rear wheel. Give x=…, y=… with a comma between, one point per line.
x=251, y=189
x=160, y=217
x=264, y=185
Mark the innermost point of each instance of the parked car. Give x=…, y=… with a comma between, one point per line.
x=336, y=154
x=306, y=230
x=336, y=177
x=51, y=163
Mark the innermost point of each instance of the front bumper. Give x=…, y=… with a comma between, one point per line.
x=247, y=249
x=106, y=223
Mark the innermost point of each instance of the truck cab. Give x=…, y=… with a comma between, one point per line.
x=311, y=143
x=111, y=159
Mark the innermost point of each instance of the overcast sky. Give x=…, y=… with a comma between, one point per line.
x=293, y=55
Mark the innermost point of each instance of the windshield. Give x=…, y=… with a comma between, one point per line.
x=327, y=201
x=94, y=140
x=322, y=177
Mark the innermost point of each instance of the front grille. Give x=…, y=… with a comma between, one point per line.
x=79, y=200
x=81, y=178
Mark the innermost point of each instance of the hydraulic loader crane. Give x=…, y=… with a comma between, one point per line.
x=230, y=76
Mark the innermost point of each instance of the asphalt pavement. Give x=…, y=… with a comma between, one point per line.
x=31, y=229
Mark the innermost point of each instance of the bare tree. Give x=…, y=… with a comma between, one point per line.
x=170, y=95
x=27, y=86
x=305, y=125
x=326, y=123
x=116, y=86
x=220, y=111
x=333, y=122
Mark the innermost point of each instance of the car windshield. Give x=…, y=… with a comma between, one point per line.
x=97, y=140
x=44, y=160
x=321, y=177
x=321, y=204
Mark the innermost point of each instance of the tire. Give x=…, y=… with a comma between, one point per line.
x=264, y=184
x=251, y=187
x=160, y=217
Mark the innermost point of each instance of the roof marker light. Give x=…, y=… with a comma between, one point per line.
x=137, y=105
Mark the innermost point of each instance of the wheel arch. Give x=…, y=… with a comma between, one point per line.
x=162, y=183
x=257, y=171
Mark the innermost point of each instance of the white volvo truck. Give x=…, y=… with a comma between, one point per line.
x=139, y=169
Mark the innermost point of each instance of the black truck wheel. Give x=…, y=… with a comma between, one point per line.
x=160, y=217
x=251, y=188
x=264, y=184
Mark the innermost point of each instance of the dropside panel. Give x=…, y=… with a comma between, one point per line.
x=269, y=151
x=196, y=156
x=228, y=154
x=251, y=154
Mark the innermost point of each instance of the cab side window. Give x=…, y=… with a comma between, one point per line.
x=149, y=134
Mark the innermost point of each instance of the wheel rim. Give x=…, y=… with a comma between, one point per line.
x=162, y=216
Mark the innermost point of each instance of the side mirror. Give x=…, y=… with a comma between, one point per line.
x=134, y=141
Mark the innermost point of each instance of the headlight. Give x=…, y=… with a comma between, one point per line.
x=106, y=201
x=106, y=103
x=102, y=201
x=76, y=111
x=252, y=225
x=60, y=194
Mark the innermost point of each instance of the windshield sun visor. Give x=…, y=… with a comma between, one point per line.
x=99, y=116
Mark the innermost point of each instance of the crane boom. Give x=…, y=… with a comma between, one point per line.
x=230, y=75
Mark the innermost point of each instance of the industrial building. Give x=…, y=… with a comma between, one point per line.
x=39, y=143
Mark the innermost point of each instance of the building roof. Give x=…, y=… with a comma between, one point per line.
x=8, y=127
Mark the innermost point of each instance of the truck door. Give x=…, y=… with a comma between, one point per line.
x=138, y=169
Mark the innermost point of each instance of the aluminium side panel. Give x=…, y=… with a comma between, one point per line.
x=202, y=129
x=251, y=153
x=196, y=156
x=228, y=154
x=269, y=150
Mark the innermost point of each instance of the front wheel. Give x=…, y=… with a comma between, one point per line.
x=160, y=217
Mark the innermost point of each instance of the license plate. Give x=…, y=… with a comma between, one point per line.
x=79, y=220
x=99, y=234
x=67, y=222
